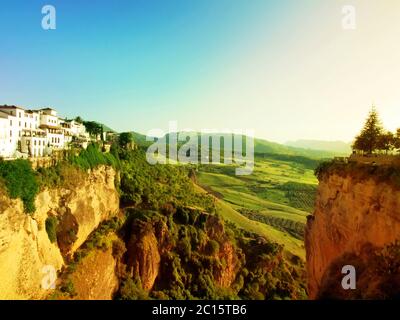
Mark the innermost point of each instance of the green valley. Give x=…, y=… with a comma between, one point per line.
x=273, y=201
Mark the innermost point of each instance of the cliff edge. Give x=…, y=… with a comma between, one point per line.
x=356, y=222
x=26, y=251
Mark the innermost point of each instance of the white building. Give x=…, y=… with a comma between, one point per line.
x=4, y=139
x=34, y=143
x=13, y=126
x=34, y=132
x=50, y=123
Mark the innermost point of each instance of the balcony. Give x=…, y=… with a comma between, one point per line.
x=33, y=134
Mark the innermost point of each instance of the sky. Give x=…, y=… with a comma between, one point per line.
x=286, y=69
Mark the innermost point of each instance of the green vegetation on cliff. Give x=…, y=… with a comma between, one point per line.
x=21, y=181
x=198, y=256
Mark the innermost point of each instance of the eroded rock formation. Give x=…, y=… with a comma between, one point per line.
x=25, y=247
x=356, y=216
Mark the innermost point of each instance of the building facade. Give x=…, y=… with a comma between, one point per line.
x=36, y=133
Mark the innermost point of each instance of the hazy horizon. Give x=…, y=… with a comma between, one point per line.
x=287, y=70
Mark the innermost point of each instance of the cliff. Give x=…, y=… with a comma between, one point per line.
x=25, y=247
x=356, y=219
x=95, y=277
x=161, y=252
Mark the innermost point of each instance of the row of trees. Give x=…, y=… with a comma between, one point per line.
x=374, y=138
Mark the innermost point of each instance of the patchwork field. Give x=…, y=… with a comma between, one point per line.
x=273, y=201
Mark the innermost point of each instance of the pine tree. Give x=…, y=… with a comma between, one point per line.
x=370, y=136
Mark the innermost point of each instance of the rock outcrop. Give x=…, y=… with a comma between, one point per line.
x=151, y=243
x=95, y=278
x=226, y=274
x=144, y=258
x=25, y=248
x=356, y=215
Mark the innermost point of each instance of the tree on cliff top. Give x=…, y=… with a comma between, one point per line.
x=370, y=138
x=125, y=138
x=386, y=142
x=397, y=140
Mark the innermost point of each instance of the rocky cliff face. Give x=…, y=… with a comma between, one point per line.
x=355, y=217
x=152, y=242
x=95, y=277
x=25, y=248
x=144, y=257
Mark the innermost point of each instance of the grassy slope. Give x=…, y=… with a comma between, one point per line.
x=291, y=244
x=261, y=192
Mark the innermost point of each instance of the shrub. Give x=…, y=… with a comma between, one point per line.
x=212, y=247
x=322, y=168
x=20, y=182
x=93, y=157
x=68, y=287
x=182, y=216
x=118, y=248
x=132, y=290
x=63, y=174
x=51, y=226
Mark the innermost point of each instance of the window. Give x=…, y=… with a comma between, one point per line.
x=10, y=133
x=10, y=122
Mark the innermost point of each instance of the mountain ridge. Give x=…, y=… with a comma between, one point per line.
x=261, y=146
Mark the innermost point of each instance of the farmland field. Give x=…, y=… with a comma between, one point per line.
x=273, y=201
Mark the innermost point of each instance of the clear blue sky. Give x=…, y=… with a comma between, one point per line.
x=258, y=64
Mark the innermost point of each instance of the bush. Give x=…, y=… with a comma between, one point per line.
x=132, y=290
x=63, y=174
x=20, y=181
x=213, y=247
x=322, y=168
x=51, y=228
x=68, y=288
x=118, y=248
x=181, y=216
x=93, y=157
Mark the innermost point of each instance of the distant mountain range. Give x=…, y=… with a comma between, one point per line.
x=314, y=149
x=332, y=146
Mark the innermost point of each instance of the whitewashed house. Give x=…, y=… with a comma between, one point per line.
x=50, y=123
x=12, y=134
x=35, y=133
x=34, y=143
x=4, y=141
